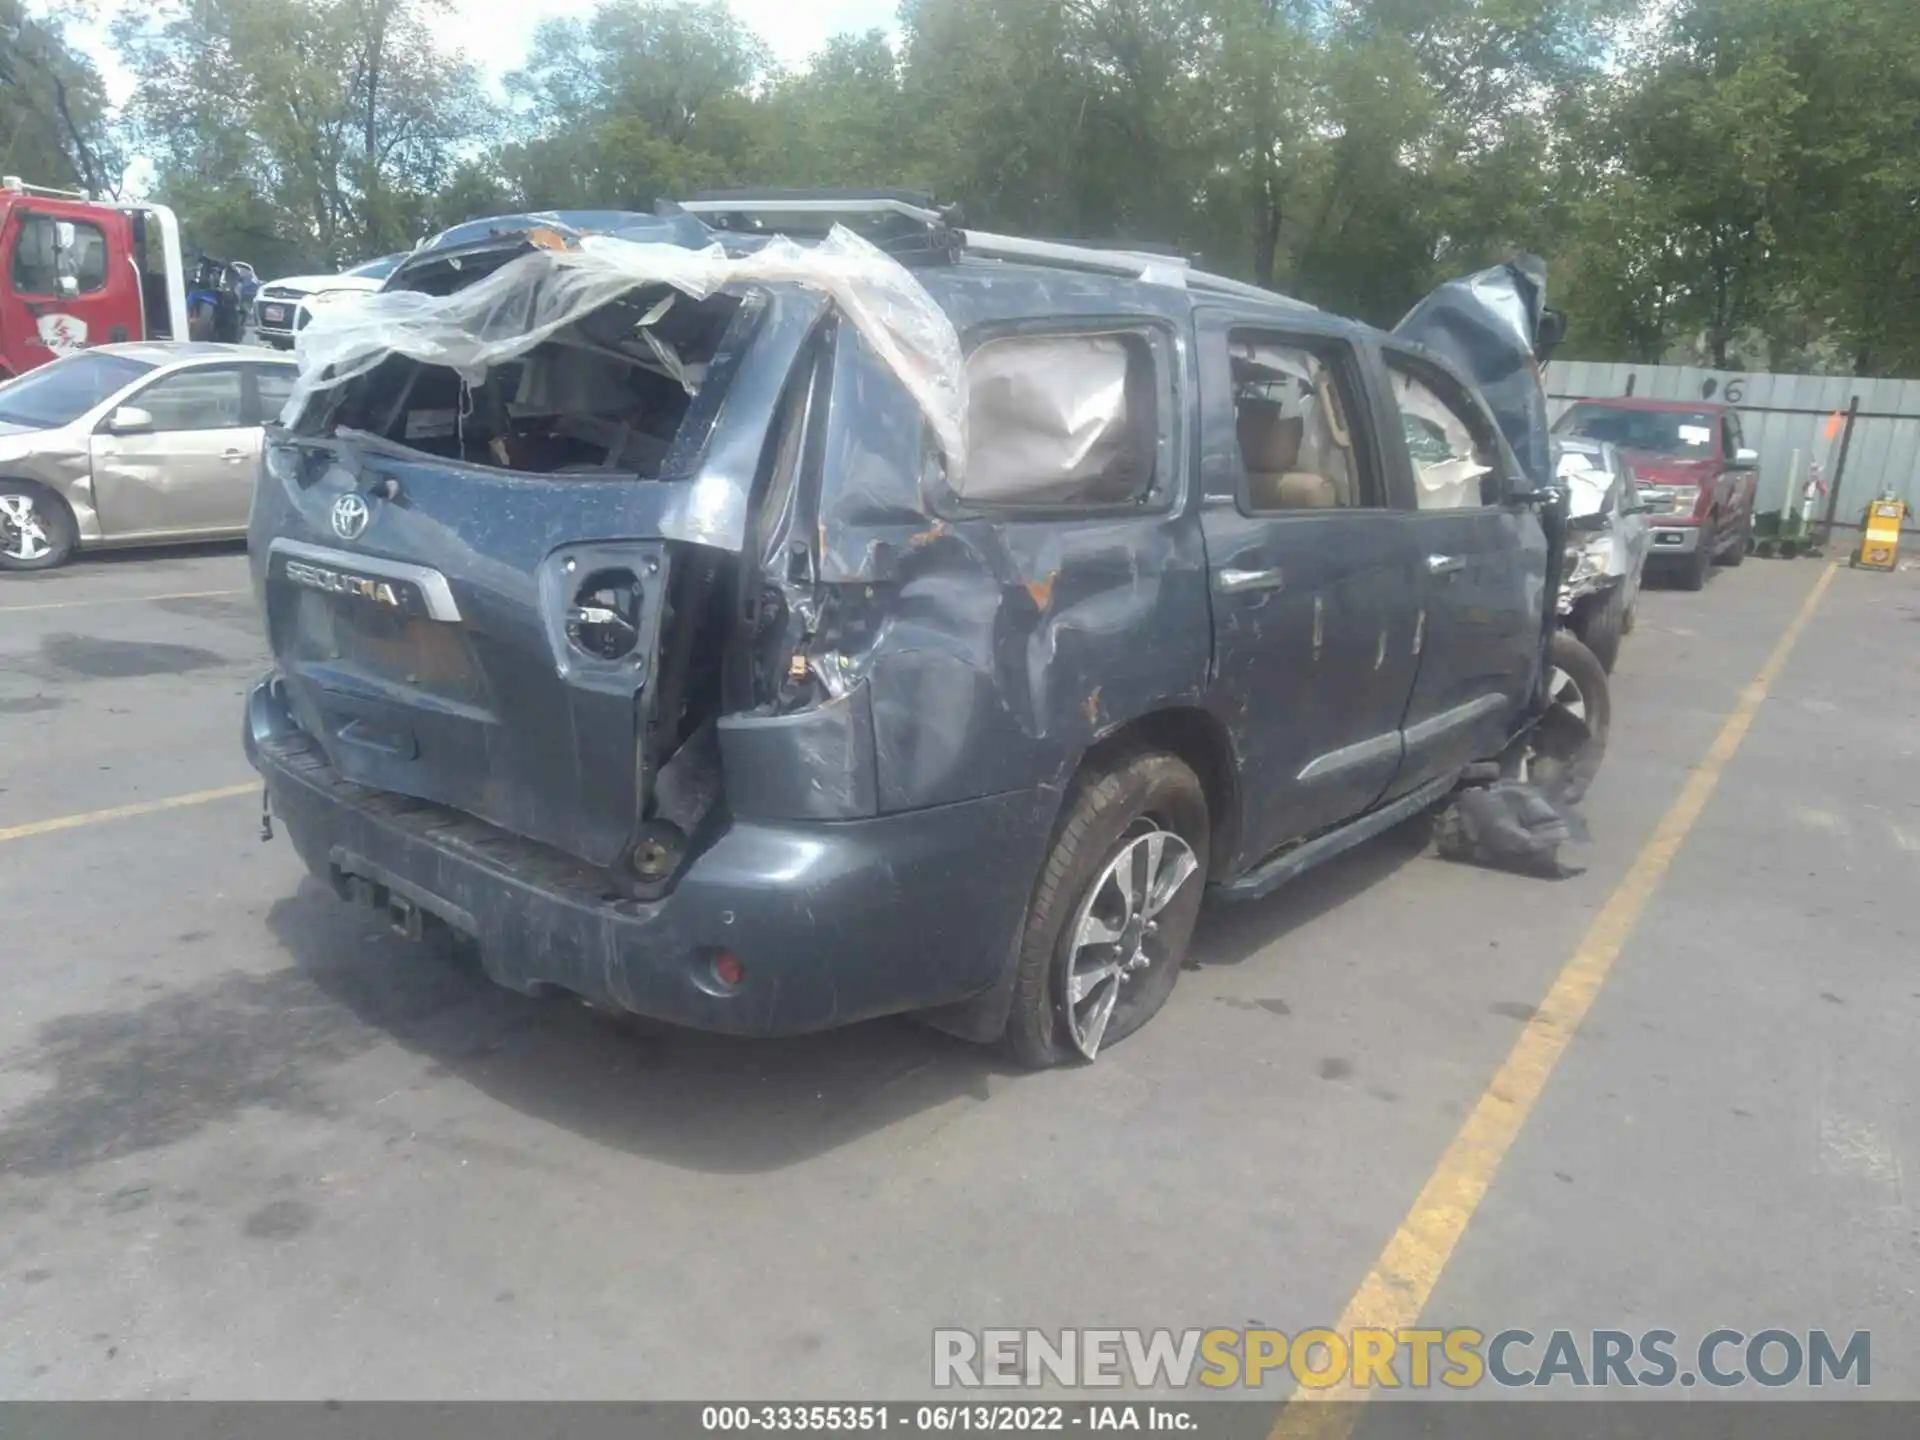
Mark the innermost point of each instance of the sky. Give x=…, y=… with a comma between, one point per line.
x=794, y=28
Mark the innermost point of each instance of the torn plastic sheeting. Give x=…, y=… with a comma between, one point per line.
x=532, y=298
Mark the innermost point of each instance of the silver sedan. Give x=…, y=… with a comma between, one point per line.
x=136, y=444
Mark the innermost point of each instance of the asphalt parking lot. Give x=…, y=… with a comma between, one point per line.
x=252, y=1145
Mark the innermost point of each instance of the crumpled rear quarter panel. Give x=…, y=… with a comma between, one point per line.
x=996, y=649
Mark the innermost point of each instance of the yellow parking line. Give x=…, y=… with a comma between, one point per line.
x=118, y=600
x=1396, y=1290
x=127, y=812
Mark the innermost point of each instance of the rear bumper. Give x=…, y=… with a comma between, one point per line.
x=833, y=922
x=1673, y=540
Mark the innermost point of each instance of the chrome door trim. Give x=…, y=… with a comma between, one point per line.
x=1242, y=582
x=1351, y=757
x=433, y=585
x=1447, y=721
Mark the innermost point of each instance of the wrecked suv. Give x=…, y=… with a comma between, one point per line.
x=759, y=634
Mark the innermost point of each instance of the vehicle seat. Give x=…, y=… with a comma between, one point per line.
x=1270, y=449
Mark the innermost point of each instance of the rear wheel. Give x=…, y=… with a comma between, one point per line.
x=36, y=532
x=1114, y=910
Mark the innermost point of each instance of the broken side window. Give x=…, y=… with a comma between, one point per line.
x=1290, y=408
x=1452, y=464
x=1062, y=421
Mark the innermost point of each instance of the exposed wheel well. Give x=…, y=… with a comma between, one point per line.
x=1201, y=741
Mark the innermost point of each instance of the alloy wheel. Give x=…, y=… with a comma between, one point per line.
x=1563, y=692
x=23, y=535
x=1116, y=935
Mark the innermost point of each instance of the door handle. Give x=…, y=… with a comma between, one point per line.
x=1444, y=564
x=233, y=457
x=1242, y=582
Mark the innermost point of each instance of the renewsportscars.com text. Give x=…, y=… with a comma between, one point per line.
x=1416, y=1359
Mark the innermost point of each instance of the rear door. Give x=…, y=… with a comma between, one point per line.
x=1482, y=561
x=1313, y=578
x=191, y=469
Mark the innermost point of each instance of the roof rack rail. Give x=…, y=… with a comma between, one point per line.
x=1226, y=285
x=1138, y=264
x=904, y=223
x=912, y=204
x=911, y=224
x=1146, y=265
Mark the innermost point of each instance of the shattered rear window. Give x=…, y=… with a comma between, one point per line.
x=607, y=395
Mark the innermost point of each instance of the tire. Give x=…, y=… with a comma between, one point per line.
x=1735, y=553
x=1601, y=627
x=1564, y=757
x=1693, y=575
x=1111, y=812
x=36, y=528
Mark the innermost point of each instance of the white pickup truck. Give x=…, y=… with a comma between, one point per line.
x=280, y=312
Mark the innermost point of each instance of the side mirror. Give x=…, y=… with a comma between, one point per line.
x=1746, y=459
x=1548, y=335
x=130, y=420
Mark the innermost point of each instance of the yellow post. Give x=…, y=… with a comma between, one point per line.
x=1880, y=539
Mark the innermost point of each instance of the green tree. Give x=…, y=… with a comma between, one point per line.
x=642, y=99
x=54, y=126
x=1732, y=179
x=320, y=127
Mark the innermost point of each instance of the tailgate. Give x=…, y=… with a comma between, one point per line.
x=434, y=659
x=469, y=608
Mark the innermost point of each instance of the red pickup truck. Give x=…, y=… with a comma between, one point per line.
x=1693, y=468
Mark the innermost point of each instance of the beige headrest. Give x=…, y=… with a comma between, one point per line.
x=1269, y=438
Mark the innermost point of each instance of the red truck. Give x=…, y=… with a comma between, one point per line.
x=76, y=272
x=1693, y=468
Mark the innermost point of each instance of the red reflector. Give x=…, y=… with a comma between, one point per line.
x=727, y=969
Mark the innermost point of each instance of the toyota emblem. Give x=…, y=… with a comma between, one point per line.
x=350, y=515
